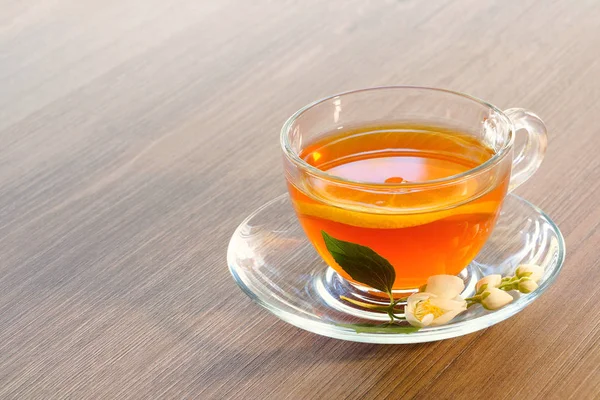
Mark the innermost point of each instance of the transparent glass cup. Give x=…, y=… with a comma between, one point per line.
x=422, y=228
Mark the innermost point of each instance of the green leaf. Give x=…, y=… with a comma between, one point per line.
x=384, y=328
x=361, y=263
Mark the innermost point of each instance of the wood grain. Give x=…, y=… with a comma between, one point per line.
x=137, y=134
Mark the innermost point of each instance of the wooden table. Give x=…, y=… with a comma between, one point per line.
x=137, y=134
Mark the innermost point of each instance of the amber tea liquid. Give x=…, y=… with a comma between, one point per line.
x=418, y=245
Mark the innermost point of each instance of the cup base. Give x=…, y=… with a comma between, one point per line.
x=347, y=297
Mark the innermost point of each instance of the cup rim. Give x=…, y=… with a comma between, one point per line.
x=481, y=168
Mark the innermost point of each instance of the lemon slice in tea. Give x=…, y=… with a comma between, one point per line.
x=389, y=221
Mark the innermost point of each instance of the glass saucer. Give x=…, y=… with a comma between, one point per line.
x=273, y=262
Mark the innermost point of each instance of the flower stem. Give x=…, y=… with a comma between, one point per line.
x=365, y=305
x=389, y=309
x=471, y=301
x=509, y=283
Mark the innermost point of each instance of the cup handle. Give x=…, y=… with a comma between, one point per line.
x=527, y=157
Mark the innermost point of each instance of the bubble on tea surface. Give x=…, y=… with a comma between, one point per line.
x=394, y=179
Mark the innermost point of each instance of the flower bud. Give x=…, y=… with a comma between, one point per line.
x=531, y=271
x=492, y=281
x=445, y=286
x=494, y=298
x=527, y=286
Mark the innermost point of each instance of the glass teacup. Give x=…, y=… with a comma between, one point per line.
x=416, y=176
